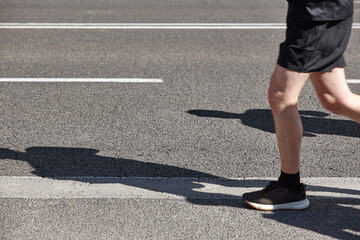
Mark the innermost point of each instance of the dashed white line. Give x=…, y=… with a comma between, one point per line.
x=101, y=80
x=86, y=80
x=353, y=80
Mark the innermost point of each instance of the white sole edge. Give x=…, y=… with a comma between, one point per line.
x=299, y=205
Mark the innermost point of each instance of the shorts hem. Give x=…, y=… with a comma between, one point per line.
x=337, y=64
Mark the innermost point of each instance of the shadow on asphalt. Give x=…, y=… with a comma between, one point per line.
x=335, y=217
x=314, y=122
x=338, y=218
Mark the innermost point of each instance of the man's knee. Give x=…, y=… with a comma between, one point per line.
x=279, y=101
x=285, y=87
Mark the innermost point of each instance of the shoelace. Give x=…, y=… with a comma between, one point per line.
x=274, y=185
x=271, y=185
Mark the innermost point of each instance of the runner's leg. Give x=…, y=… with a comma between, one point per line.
x=284, y=90
x=335, y=94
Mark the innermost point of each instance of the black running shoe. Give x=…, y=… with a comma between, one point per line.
x=276, y=197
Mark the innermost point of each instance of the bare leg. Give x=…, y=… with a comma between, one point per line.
x=284, y=90
x=335, y=94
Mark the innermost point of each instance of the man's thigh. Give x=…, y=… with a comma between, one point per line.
x=331, y=84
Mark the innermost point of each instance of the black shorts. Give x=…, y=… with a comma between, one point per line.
x=314, y=46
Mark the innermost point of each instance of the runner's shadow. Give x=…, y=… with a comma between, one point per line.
x=78, y=163
x=314, y=122
x=75, y=163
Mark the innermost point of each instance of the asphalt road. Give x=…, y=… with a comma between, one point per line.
x=208, y=119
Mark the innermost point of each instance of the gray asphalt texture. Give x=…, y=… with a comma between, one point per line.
x=210, y=118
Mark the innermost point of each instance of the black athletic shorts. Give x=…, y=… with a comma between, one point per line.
x=314, y=46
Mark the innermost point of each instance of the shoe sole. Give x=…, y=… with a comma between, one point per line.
x=299, y=205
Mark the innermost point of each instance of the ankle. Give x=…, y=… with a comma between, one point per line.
x=290, y=181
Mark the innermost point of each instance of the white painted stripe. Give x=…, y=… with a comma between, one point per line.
x=143, y=25
x=93, y=80
x=353, y=80
x=102, y=80
x=353, y=232
x=140, y=26
x=161, y=188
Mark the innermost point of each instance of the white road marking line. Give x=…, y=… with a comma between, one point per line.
x=161, y=188
x=102, y=80
x=142, y=25
x=355, y=233
x=87, y=80
x=139, y=26
x=353, y=80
